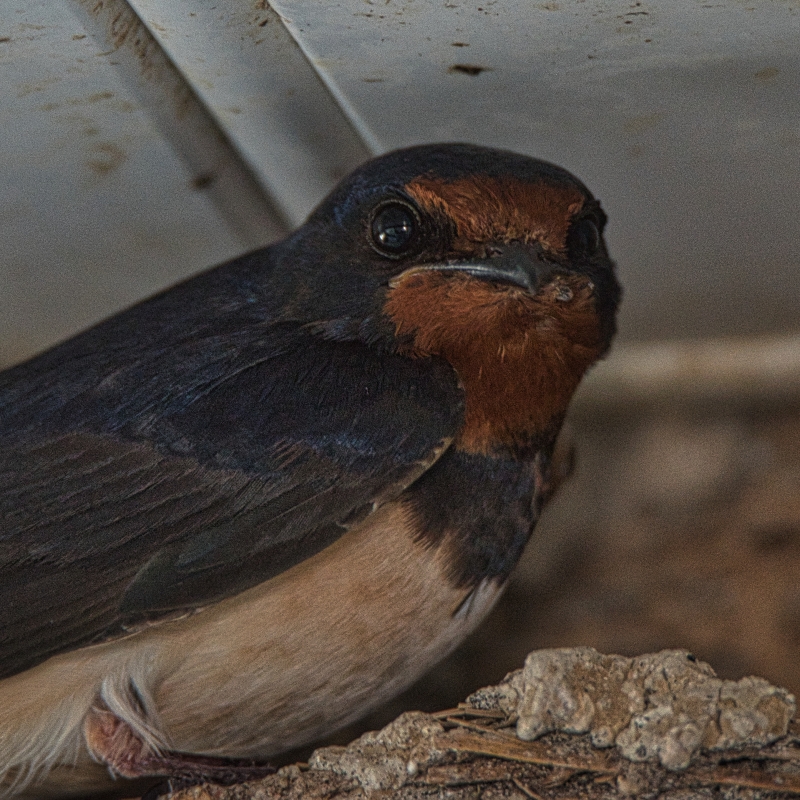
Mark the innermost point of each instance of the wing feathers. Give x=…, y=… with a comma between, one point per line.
x=120, y=506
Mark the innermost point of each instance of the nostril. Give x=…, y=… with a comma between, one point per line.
x=493, y=251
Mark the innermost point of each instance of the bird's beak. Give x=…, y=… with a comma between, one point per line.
x=522, y=265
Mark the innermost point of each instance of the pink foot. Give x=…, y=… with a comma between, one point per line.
x=114, y=743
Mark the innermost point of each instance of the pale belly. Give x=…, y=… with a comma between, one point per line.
x=260, y=673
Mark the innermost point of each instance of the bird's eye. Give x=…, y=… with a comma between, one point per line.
x=584, y=237
x=394, y=228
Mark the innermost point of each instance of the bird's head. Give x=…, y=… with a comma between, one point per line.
x=491, y=260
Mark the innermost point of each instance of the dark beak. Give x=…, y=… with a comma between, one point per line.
x=522, y=265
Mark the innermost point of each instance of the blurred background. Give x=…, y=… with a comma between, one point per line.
x=145, y=140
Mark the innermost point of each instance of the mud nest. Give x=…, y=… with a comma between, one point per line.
x=572, y=723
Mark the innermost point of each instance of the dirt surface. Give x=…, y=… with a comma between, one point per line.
x=478, y=762
x=473, y=751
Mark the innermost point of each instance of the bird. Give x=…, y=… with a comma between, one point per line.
x=243, y=512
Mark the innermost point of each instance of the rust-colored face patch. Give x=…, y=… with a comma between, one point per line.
x=519, y=356
x=485, y=209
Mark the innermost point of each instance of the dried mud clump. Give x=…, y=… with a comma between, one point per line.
x=665, y=706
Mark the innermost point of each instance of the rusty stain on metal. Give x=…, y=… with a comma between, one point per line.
x=766, y=74
x=108, y=158
x=123, y=28
x=469, y=69
x=644, y=122
x=203, y=181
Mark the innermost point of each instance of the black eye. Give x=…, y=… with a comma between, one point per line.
x=393, y=228
x=584, y=237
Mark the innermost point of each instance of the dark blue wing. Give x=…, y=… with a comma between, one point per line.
x=132, y=488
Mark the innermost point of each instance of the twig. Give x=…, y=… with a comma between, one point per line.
x=509, y=749
x=475, y=727
x=467, y=711
x=525, y=789
x=785, y=782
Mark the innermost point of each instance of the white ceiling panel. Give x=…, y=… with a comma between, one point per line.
x=682, y=116
x=97, y=207
x=146, y=140
x=249, y=73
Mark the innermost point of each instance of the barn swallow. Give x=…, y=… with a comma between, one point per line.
x=240, y=514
